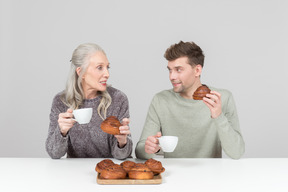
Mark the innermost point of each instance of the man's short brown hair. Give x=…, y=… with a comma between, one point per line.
x=189, y=49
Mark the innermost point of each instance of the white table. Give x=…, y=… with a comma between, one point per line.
x=44, y=174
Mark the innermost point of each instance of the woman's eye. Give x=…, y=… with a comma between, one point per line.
x=100, y=67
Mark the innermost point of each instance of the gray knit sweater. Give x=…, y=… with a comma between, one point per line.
x=88, y=140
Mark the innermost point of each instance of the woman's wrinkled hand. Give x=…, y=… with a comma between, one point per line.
x=66, y=121
x=124, y=132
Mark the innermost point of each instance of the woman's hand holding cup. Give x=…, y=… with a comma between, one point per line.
x=66, y=121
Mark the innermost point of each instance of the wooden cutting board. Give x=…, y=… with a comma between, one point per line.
x=156, y=180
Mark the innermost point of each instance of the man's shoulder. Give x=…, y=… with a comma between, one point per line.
x=164, y=96
x=221, y=90
x=165, y=93
x=225, y=93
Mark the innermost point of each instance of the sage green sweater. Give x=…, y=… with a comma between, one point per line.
x=200, y=136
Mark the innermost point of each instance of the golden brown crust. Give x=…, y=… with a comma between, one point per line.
x=127, y=165
x=111, y=125
x=103, y=164
x=140, y=175
x=113, y=172
x=107, y=169
x=201, y=92
x=140, y=171
x=155, y=166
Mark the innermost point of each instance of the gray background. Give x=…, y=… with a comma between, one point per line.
x=245, y=43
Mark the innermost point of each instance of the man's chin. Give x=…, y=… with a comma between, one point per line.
x=176, y=90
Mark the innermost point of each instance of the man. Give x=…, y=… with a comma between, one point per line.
x=205, y=127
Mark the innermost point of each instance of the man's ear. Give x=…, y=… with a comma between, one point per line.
x=198, y=70
x=78, y=70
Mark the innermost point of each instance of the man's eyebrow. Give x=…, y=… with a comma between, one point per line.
x=176, y=67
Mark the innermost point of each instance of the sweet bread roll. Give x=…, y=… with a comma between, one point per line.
x=201, y=92
x=111, y=125
x=113, y=172
x=155, y=166
x=103, y=165
x=127, y=165
x=140, y=171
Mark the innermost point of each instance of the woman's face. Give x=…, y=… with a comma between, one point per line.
x=97, y=73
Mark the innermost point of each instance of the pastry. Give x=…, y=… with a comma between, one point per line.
x=113, y=172
x=201, y=92
x=155, y=166
x=103, y=164
x=111, y=125
x=127, y=165
x=107, y=169
x=140, y=171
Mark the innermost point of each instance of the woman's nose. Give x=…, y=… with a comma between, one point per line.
x=106, y=73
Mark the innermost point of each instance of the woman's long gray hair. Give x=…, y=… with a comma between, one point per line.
x=73, y=95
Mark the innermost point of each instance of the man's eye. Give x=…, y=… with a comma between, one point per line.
x=100, y=67
x=179, y=70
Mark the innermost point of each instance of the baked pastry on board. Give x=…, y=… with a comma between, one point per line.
x=140, y=171
x=155, y=166
x=103, y=165
x=134, y=172
x=127, y=165
x=113, y=172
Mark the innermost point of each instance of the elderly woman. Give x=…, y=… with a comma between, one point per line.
x=87, y=88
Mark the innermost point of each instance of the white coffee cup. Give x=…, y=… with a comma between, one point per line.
x=168, y=143
x=83, y=116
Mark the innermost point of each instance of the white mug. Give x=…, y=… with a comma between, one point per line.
x=168, y=143
x=83, y=116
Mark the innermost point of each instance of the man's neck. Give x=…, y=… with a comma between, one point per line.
x=189, y=93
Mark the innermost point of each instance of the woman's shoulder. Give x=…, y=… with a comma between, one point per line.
x=116, y=93
x=57, y=100
x=59, y=95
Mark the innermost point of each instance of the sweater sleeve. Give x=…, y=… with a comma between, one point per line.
x=151, y=127
x=229, y=130
x=56, y=144
x=122, y=111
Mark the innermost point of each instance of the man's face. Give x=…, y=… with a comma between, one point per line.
x=182, y=75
